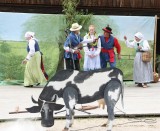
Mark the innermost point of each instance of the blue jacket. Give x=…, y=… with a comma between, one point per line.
x=72, y=41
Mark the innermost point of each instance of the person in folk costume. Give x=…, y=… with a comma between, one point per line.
x=92, y=62
x=92, y=51
x=107, y=55
x=108, y=42
x=34, y=70
x=71, y=47
x=142, y=71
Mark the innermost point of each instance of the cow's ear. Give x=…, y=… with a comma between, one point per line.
x=58, y=107
x=33, y=109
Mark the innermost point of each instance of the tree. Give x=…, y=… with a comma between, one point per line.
x=71, y=16
x=47, y=28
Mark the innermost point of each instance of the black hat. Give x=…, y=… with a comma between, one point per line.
x=107, y=29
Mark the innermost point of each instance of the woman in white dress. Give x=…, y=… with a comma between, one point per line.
x=92, y=51
x=142, y=71
x=92, y=62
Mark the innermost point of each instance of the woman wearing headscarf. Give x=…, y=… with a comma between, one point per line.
x=34, y=70
x=142, y=71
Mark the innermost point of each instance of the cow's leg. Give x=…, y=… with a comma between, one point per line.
x=111, y=96
x=70, y=97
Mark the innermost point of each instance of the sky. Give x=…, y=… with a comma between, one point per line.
x=11, y=25
x=129, y=25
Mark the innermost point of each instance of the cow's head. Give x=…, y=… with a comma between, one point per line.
x=46, y=108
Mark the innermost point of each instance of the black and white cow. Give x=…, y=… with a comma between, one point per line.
x=79, y=87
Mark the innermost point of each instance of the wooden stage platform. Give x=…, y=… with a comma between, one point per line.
x=137, y=102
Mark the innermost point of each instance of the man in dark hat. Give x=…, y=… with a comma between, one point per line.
x=108, y=42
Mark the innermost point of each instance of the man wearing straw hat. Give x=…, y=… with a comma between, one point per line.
x=72, y=52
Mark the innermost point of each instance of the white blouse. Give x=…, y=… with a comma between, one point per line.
x=31, y=44
x=132, y=44
x=86, y=50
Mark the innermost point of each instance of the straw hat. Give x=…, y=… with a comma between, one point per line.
x=75, y=27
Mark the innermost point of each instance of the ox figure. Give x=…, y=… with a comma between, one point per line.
x=79, y=87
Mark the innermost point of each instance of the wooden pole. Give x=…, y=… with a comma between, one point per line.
x=16, y=112
x=155, y=41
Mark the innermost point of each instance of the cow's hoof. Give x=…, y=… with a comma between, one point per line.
x=70, y=125
x=104, y=125
x=65, y=129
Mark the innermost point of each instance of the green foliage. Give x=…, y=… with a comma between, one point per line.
x=69, y=9
x=50, y=57
x=47, y=27
x=126, y=65
x=49, y=30
x=4, y=48
x=10, y=63
x=60, y=64
x=85, y=21
x=102, y=21
x=11, y=67
x=71, y=16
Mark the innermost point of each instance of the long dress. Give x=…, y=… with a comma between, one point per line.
x=33, y=73
x=142, y=71
x=91, y=63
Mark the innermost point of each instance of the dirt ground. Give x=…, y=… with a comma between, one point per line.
x=86, y=124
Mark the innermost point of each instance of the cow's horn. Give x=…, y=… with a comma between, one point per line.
x=33, y=100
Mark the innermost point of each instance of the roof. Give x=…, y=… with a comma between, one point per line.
x=109, y=7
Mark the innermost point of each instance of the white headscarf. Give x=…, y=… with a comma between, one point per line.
x=139, y=35
x=29, y=34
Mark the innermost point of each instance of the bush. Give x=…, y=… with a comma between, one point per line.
x=5, y=48
x=11, y=67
